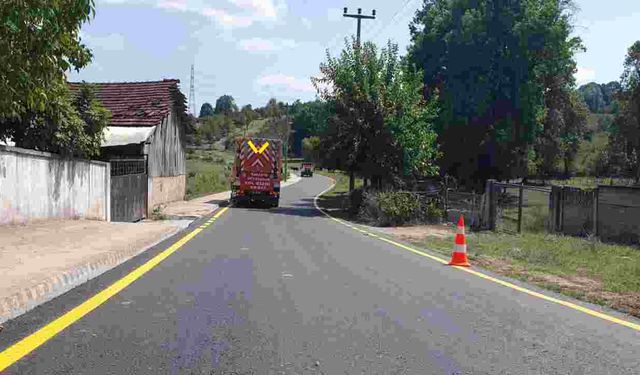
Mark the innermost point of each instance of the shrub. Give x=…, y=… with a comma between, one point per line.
x=398, y=207
x=432, y=212
x=389, y=208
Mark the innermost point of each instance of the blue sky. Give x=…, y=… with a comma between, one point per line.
x=257, y=49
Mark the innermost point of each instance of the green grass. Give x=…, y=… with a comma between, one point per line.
x=207, y=172
x=617, y=266
x=590, y=182
x=335, y=199
x=554, y=261
x=535, y=212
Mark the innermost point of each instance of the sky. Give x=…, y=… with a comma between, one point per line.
x=258, y=49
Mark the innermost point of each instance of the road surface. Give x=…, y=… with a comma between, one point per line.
x=290, y=291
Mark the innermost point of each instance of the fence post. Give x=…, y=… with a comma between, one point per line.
x=562, y=199
x=520, y=194
x=491, y=206
x=446, y=197
x=596, y=193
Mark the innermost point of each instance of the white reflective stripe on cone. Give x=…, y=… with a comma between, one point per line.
x=459, y=248
x=460, y=230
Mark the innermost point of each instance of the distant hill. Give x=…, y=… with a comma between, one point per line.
x=600, y=98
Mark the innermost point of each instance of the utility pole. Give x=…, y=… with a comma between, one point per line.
x=359, y=17
x=192, y=93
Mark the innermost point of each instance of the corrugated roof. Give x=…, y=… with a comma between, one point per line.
x=126, y=135
x=136, y=103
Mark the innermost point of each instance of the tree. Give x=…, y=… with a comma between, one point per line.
x=311, y=149
x=492, y=62
x=382, y=124
x=247, y=115
x=225, y=105
x=72, y=125
x=273, y=109
x=206, y=110
x=40, y=42
x=625, y=137
x=309, y=119
x=600, y=98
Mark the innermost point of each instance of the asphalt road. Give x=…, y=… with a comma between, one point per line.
x=290, y=291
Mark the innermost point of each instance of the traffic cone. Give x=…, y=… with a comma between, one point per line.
x=459, y=256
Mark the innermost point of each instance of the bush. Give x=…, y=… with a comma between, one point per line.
x=391, y=208
x=432, y=212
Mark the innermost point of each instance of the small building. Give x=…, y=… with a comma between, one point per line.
x=144, y=141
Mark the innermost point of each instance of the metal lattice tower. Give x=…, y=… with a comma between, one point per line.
x=192, y=93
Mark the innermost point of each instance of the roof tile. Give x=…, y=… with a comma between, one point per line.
x=135, y=103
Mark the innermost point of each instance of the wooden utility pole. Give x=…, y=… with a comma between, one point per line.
x=358, y=17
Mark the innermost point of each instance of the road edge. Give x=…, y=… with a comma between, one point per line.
x=596, y=311
x=54, y=286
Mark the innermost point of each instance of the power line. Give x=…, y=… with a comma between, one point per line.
x=400, y=12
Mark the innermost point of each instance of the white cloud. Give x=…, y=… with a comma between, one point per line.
x=306, y=22
x=282, y=82
x=226, y=19
x=249, y=12
x=260, y=8
x=109, y=42
x=174, y=4
x=584, y=75
x=265, y=45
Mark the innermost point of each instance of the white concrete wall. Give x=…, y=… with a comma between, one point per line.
x=41, y=185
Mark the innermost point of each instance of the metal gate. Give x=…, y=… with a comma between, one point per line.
x=128, y=189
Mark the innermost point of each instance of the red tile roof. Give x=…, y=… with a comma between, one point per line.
x=137, y=103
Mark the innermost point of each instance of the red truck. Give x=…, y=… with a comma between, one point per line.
x=255, y=176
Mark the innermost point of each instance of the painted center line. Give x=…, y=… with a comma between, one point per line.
x=28, y=344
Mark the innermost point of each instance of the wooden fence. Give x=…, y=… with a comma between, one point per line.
x=611, y=213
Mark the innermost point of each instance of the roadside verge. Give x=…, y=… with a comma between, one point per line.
x=593, y=310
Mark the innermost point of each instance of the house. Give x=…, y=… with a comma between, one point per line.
x=146, y=136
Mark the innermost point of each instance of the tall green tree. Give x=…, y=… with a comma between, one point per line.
x=625, y=138
x=492, y=61
x=40, y=43
x=273, y=109
x=206, y=110
x=225, y=105
x=309, y=119
x=382, y=124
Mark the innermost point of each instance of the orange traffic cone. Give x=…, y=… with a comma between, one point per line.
x=459, y=256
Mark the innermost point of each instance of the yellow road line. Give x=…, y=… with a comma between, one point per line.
x=28, y=344
x=507, y=284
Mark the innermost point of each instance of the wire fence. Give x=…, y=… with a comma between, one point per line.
x=521, y=208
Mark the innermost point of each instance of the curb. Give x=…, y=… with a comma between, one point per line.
x=54, y=286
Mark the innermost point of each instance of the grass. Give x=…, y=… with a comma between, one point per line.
x=586, y=269
x=334, y=200
x=207, y=172
x=535, y=211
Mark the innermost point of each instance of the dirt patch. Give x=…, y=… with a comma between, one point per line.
x=417, y=233
x=581, y=286
x=33, y=252
x=195, y=207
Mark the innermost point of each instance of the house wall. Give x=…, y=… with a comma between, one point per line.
x=167, y=149
x=166, y=189
x=41, y=185
x=166, y=160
